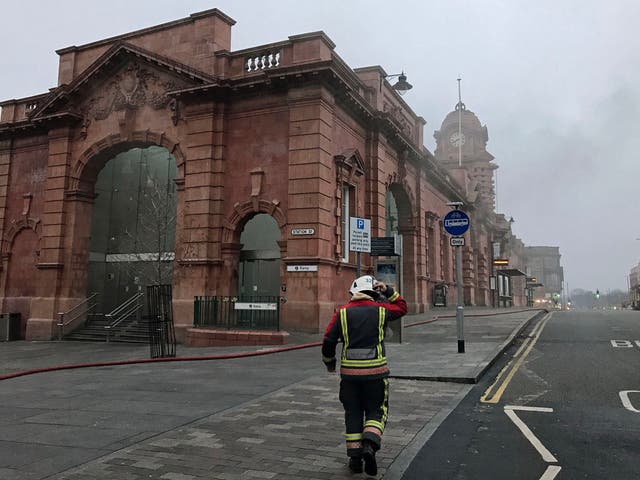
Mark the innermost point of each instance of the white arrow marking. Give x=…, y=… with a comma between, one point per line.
x=546, y=454
x=624, y=396
x=551, y=472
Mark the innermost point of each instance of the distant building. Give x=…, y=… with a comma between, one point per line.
x=634, y=287
x=543, y=264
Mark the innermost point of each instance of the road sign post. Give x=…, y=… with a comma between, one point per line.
x=456, y=224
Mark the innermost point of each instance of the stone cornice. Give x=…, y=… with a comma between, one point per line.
x=156, y=28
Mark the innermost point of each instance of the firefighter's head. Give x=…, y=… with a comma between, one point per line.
x=364, y=284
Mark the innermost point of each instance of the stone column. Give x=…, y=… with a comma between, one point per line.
x=310, y=205
x=198, y=267
x=46, y=305
x=5, y=164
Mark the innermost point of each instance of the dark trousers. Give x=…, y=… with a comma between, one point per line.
x=366, y=406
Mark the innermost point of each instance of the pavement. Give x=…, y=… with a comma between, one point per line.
x=274, y=416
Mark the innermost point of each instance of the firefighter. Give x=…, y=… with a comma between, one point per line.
x=364, y=386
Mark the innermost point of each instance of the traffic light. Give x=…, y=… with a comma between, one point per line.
x=597, y=294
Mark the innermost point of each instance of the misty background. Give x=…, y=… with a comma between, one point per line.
x=557, y=82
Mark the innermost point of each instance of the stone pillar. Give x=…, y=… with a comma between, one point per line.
x=46, y=305
x=468, y=274
x=198, y=267
x=310, y=205
x=5, y=164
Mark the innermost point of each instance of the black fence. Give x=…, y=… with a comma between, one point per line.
x=239, y=312
x=162, y=335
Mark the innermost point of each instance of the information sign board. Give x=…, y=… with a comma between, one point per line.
x=360, y=234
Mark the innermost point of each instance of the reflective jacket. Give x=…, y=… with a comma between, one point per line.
x=360, y=324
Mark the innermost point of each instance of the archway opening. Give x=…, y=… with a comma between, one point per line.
x=22, y=272
x=133, y=225
x=398, y=222
x=259, y=266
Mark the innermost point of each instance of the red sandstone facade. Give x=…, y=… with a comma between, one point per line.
x=277, y=129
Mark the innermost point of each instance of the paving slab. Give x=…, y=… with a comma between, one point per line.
x=273, y=416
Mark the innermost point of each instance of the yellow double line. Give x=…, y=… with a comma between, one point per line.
x=512, y=367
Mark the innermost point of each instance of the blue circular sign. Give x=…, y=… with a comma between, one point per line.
x=456, y=223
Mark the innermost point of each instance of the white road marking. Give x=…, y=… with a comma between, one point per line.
x=621, y=343
x=529, y=409
x=624, y=396
x=551, y=472
x=544, y=453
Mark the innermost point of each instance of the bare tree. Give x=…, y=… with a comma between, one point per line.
x=152, y=244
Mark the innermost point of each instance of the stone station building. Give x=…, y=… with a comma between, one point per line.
x=223, y=172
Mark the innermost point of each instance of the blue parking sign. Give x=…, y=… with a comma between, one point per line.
x=360, y=224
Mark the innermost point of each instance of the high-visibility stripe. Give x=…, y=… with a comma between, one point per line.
x=381, y=316
x=394, y=296
x=384, y=369
x=385, y=403
x=345, y=333
x=352, y=437
x=374, y=423
x=378, y=362
x=328, y=359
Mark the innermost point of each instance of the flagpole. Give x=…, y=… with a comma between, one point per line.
x=459, y=125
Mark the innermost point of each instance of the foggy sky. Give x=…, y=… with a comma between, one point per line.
x=557, y=82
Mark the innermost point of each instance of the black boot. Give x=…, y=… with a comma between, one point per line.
x=355, y=464
x=369, y=455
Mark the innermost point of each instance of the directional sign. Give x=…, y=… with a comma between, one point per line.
x=302, y=268
x=456, y=223
x=386, y=246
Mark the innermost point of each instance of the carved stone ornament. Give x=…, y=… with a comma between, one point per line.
x=134, y=86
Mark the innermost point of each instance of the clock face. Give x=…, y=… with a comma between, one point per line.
x=457, y=139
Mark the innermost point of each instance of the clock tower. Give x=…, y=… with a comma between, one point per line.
x=462, y=131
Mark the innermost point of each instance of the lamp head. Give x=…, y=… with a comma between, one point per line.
x=402, y=86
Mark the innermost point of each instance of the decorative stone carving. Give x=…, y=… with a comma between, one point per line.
x=134, y=86
x=257, y=177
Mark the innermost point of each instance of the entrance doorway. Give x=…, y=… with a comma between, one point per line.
x=259, y=267
x=133, y=225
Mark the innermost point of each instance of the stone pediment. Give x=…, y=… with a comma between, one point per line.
x=124, y=77
x=352, y=160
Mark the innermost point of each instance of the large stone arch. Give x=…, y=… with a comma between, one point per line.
x=86, y=168
x=408, y=228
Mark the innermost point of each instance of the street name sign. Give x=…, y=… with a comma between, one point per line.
x=456, y=223
x=303, y=231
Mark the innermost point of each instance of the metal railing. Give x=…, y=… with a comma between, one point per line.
x=125, y=310
x=83, y=308
x=238, y=312
x=162, y=335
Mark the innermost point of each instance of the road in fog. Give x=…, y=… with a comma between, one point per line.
x=566, y=406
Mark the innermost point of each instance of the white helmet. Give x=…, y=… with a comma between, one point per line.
x=362, y=284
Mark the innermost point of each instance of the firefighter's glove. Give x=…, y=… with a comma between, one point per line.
x=331, y=366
